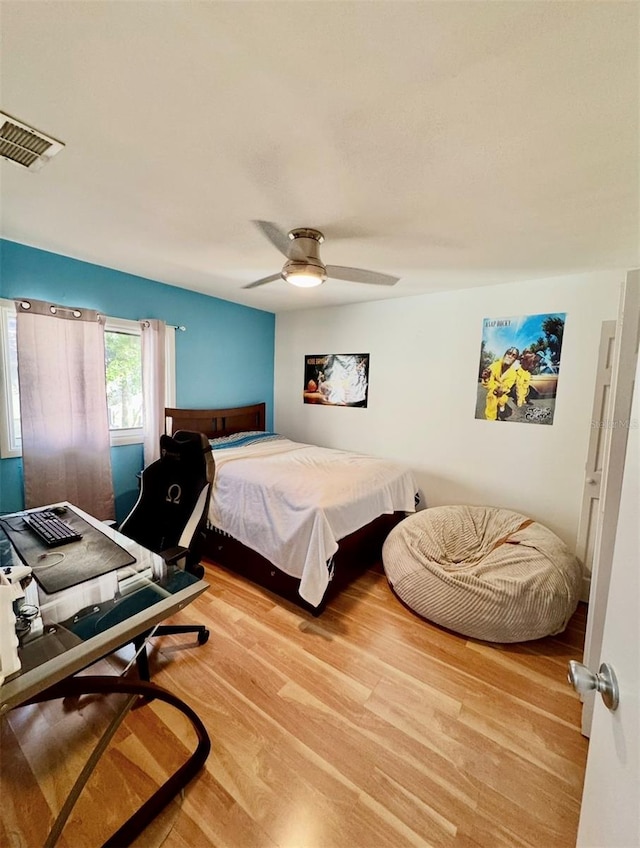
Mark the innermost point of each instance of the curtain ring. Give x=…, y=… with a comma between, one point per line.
x=24, y=304
x=53, y=310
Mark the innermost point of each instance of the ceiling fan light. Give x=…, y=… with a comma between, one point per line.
x=304, y=281
x=304, y=276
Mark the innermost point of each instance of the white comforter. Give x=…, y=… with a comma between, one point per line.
x=292, y=502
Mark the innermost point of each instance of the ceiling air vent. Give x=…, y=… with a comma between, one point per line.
x=25, y=146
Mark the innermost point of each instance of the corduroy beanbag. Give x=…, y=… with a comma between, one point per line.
x=484, y=572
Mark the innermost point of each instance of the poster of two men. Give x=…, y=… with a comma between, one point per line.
x=519, y=368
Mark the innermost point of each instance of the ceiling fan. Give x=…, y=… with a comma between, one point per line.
x=304, y=267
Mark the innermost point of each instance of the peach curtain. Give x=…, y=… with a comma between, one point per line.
x=153, y=386
x=63, y=407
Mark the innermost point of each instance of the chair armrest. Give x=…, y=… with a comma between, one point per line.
x=172, y=555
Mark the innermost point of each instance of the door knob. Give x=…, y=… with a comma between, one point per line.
x=584, y=680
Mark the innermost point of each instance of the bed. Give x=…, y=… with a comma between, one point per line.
x=299, y=519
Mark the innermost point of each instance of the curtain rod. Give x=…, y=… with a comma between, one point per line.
x=26, y=304
x=53, y=307
x=180, y=327
x=43, y=306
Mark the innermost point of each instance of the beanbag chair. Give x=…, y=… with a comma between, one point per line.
x=484, y=572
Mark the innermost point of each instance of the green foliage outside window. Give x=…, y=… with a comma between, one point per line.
x=124, y=380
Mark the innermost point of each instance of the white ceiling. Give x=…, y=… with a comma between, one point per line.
x=453, y=144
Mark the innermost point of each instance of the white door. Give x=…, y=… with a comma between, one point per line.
x=610, y=812
x=615, y=429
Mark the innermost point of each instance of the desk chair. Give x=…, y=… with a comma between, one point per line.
x=170, y=514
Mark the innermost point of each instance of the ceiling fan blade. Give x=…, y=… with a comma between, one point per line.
x=263, y=281
x=359, y=275
x=276, y=236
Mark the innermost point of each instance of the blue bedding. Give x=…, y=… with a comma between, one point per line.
x=240, y=439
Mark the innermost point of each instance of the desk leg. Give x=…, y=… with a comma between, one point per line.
x=75, y=687
x=142, y=658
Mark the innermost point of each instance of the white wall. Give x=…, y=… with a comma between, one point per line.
x=423, y=386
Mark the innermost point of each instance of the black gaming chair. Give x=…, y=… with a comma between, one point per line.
x=170, y=514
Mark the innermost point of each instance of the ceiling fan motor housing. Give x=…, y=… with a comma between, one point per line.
x=304, y=255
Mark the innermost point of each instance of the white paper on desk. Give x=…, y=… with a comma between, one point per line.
x=9, y=659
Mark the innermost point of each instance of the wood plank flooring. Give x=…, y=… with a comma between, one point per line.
x=363, y=728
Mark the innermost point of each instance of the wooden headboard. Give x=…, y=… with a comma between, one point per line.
x=216, y=422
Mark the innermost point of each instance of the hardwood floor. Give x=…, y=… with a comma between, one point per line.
x=364, y=728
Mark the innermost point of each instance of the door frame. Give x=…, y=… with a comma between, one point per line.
x=596, y=458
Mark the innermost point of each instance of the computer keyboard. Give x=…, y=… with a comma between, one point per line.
x=51, y=530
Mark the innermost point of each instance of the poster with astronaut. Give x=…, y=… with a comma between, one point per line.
x=336, y=379
x=519, y=368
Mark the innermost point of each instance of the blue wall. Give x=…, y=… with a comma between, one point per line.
x=225, y=357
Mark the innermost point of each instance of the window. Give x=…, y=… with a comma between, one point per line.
x=123, y=370
x=123, y=367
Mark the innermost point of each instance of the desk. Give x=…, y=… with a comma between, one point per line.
x=88, y=621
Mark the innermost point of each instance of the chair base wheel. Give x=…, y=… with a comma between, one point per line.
x=203, y=637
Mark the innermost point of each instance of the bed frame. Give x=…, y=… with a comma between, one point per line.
x=215, y=423
x=356, y=553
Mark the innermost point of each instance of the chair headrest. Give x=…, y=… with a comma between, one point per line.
x=188, y=447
